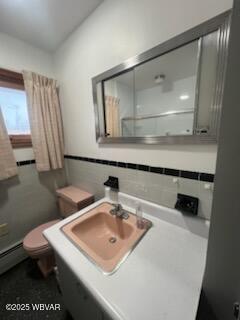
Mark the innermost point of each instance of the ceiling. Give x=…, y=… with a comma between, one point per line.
x=43, y=23
x=175, y=65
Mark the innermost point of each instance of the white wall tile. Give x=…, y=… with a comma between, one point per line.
x=28, y=200
x=150, y=186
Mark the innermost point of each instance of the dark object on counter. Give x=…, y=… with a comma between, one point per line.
x=112, y=182
x=187, y=204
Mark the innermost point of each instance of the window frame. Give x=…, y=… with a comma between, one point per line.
x=14, y=80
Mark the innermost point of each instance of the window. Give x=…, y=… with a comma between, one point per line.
x=14, y=108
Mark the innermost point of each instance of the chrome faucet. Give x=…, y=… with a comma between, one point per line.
x=119, y=212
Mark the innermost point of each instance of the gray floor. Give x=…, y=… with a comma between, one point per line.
x=24, y=284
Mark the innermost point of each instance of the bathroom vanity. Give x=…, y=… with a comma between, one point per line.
x=161, y=278
x=77, y=298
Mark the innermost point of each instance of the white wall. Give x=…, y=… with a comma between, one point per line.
x=114, y=32
x=17, y=55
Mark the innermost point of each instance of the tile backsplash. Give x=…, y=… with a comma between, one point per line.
x=27, y=200
x=159, y=185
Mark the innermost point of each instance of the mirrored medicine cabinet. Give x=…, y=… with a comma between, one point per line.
x=171, y=93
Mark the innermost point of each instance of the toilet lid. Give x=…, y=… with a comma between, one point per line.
x=35, y=240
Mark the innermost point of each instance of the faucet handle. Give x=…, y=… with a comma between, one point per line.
x=117, y=206
x=119, y=211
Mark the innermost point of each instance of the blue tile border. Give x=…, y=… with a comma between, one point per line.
x=207, y=177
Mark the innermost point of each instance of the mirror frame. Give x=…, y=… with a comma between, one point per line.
x=219, y=23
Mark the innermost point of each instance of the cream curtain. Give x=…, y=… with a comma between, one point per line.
x=112, y=116
x=8, y=167
x=45, y=121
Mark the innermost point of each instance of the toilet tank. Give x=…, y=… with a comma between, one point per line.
x=72, y=199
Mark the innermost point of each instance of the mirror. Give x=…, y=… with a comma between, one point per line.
x=165, y=90
x=173, y=96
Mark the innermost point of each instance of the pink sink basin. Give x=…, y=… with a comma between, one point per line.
x=104, y=238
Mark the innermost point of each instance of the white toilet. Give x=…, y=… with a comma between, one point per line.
x=70, y=200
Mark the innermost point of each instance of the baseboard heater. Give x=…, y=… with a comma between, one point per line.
x=11, y=256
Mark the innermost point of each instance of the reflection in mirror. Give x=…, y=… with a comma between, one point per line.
x=165, y=93
x=207, y=81
x=157, y=98
x=119, y=104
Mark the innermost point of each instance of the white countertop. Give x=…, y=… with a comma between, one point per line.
x=162, y=277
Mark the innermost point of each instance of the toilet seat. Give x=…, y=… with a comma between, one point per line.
x=70, y=200
x=35, y=243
